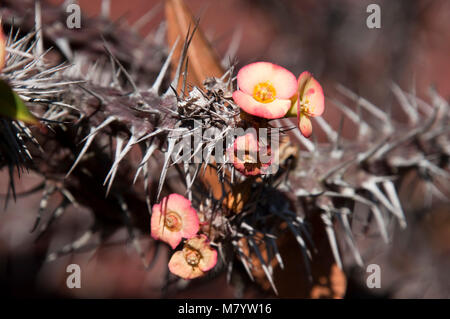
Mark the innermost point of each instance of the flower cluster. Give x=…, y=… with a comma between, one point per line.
x=174, y=219
x=270, y=91
x=267, y=91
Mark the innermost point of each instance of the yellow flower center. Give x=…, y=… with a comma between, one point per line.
x=264, y=92
x=306, y=107
x=172, y=221
x=192, y=256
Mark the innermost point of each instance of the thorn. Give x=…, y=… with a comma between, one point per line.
x=145, y=158
x=95, y=130
x=74, y=246
x=162, y=73
x=331, y=134
x=374, y=110
x=183, y=55
x=106, y=9
x=170, y=148
x=436, y=170
x=159, y=35
x=336, y=145
x=361, y=158
x=437, y=192
x=197, y=170
x=274, y=245
x=409, y=110
x=392, y=194
x=48, y=191
x=252, y=243
x=187, y=180
x=146, y=18
x=438, y=102
x=421, y=105
x=246, y=267
x=120, y=154
x=146, y=184
x=183, y=91
x=98, y=97
x=370, y=204
x=403, y=139
x=337, y=168
x=68, y=195
x=342, y=217
x=38, y=27
x=82, y=152
x=305, y=251
x=57, y=212
x=306, y=143
x=64, y=45
x=233, y=47
x=127, y=75
x=326, y=218
x=380, y=221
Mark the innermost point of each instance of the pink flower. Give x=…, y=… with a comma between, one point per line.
x=308, y=102
x=265, y=90
x=196, y=258
x=2, y=49
x=174, y=219
x=246, y=155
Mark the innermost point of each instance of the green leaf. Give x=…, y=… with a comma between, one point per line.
x=12, y=106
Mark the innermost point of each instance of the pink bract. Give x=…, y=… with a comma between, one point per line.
x=265, y=90
x=196, y=258
x=308, y=102
x=173, y=219
x=310, y=89
x=2, y=49
x=305, y=125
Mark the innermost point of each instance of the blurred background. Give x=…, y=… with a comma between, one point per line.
x=330, y=39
